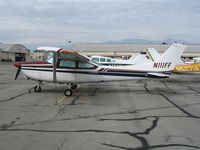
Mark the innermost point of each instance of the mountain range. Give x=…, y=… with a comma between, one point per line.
x=143, y=41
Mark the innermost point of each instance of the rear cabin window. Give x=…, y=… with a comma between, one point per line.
x=108, y=60
x=102, y=60
x=85, y=65
x=95, y=59
x=113, y=60
x=68, y=63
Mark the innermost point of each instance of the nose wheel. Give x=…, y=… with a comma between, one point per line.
x=37, y=88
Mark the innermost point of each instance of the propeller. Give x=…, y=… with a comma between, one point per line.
x=17, y=73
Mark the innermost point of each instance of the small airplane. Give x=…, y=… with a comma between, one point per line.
x=107, y=61
x=181, y=67
x=196, y=59
x=68, y=66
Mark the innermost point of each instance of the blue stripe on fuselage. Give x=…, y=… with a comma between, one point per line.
x=92, y=73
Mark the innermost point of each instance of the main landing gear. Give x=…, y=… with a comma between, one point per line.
x=69, y=92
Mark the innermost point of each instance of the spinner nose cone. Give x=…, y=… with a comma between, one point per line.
x=17, y=65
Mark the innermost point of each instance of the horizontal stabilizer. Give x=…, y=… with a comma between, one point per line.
x=157, y=75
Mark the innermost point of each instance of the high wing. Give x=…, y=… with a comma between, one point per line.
x=72, y=55
x=65, y=53
x=48, y=48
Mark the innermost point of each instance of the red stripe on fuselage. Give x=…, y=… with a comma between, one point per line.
x=35, y=63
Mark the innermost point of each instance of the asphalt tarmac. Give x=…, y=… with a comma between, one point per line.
x=161, y=114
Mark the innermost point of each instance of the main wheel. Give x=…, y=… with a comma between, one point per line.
x=74, y=86
x=37, y=88
x=68, y=92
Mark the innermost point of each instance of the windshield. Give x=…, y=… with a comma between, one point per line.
x=49, y=57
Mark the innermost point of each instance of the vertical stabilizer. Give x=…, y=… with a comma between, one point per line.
x=170, y=58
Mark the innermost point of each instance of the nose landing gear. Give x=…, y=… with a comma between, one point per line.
x=38, y=88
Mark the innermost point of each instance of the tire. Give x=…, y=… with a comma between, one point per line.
x=74, y=86
x=37, y=89
x=68, y=92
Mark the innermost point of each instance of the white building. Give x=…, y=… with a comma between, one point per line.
x=118, y=50
x=13, y=52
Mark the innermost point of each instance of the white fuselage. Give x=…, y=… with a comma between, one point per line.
x=77, y=75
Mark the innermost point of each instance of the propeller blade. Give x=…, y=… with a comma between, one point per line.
x=17, y=73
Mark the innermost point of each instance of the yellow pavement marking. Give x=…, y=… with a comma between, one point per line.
x=60, y=100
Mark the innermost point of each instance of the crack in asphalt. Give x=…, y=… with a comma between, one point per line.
x=6, y=126
x=138, y=136
x=189, y=87
x=61, y=109
x=151, y=147
x=73, y=102
x=94, y=92
x=62, y=144
x=192, y=89
x=165, y=84
x=177, y=106
x=143, y=118
x=169, y=100
x=3, y=83
x=19, y=95
x=143, y=141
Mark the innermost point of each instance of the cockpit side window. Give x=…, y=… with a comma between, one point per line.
x=68, y=63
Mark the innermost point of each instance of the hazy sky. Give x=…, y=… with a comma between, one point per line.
x=54, y=22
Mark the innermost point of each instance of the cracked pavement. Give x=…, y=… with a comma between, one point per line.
x=135, y=115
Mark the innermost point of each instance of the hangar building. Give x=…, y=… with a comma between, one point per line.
x=13, y=52
x=118, y=50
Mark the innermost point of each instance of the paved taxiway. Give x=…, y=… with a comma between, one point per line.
x=141, y=114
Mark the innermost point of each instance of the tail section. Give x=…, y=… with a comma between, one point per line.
x=153, y=54
x=170, y=58
x=140, y=58
x=163, y=65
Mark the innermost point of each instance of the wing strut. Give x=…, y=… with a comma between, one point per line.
x=55, y=55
